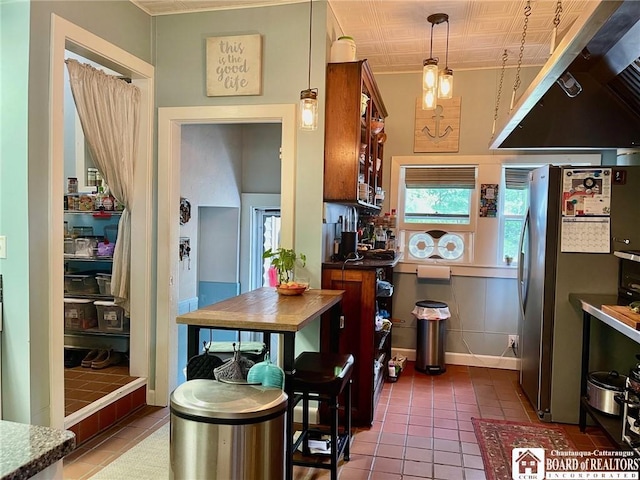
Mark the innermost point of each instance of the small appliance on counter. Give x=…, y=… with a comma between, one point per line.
x=629, y=283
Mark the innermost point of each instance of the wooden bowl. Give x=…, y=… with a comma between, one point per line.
x=291, y=290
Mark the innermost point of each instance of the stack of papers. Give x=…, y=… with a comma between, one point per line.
x=322, y=446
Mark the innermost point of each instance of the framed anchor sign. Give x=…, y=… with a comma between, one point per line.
x=437, y=130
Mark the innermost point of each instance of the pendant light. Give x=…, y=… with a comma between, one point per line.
x=436, y=84
x=445, y=84
x=309, y=97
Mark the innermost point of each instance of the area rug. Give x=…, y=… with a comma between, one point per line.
x=497, y=438
x=148, y=460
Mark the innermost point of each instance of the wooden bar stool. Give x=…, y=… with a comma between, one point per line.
x=323, y=377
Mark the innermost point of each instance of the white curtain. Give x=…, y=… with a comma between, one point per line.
x=108, y=108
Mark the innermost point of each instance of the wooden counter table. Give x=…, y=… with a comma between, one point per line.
x=263, y=310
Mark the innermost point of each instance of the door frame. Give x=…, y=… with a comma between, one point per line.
x=170, y=121
x=66, y=35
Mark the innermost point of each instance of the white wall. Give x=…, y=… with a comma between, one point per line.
x=210, y=176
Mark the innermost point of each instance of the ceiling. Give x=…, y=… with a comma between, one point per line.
x=394, y=35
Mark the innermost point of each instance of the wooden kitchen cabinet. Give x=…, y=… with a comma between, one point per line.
x=354, y=136
x=371, y=350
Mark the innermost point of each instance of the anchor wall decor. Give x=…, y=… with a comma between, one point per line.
x=437, y=130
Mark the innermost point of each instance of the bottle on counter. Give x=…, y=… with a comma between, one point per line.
x=100, y=199
x=380, y=238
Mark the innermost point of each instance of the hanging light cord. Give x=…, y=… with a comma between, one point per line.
x=446, y=56
x=505, y=57
x=556, y=22
x=310, y=27
x=516, y=84
x=431, y=43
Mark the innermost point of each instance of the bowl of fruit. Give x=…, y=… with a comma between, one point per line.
x=291, y=288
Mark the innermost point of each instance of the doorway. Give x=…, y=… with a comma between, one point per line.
x=170, y=123
x=67, y=36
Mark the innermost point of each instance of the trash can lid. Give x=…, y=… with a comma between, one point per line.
x=226, y=401
x=431, y=310
x=431, y=304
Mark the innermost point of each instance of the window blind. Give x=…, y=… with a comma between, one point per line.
x=517, y=178
x=440, y=177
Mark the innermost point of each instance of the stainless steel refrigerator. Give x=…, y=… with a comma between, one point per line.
x=550, y=327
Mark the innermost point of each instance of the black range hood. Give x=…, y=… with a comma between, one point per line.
x=601, y=52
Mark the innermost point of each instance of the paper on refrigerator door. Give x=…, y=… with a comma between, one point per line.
x=586, y=210
x=585, y=234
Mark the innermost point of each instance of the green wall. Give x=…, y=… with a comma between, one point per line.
x=180, y=42
x=24, y=219
x=14, y=206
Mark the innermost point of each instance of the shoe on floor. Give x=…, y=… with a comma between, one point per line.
x=73, y=358
x=110, y=358
x=90, y=357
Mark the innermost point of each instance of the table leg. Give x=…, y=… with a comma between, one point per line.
x=193, y=341
x=287, y=363
x=586, y=336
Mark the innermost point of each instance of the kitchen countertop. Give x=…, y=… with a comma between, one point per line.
x=364, y=263
x=592, y=304
x=26, y=450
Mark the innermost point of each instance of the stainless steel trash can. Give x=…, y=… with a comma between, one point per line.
x=431, y=318
x=222, y=431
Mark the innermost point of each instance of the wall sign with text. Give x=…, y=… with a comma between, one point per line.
x=234, y=65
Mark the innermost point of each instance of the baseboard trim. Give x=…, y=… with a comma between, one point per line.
x=452, y=358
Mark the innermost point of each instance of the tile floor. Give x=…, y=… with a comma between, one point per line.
x=422, y=429
x=85, y=385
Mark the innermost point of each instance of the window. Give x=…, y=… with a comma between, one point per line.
x=438, y=195
x=514, y=209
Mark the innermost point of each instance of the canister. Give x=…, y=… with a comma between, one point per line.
x=343, y=50
x=72, y=185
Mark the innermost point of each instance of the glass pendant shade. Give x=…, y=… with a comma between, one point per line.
x=445, y=86
x=309, y=110
x=430, y=74
x=429, y=98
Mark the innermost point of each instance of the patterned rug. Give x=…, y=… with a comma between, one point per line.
x=497, y=438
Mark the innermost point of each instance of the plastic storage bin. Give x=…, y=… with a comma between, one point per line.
x=79, y=314
x=81, y=284
x=104, y=283
x=111, y=317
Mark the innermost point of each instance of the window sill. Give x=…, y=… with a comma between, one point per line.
x=463, y=270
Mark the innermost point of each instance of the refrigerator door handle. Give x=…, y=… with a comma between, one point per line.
x=522, y=286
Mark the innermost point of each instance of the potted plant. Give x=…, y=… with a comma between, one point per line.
x=284, y=261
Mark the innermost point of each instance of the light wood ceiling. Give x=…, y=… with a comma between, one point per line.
x=394, y=35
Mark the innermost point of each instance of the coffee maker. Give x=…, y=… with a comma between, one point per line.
x=348, y=245
x=348, y=235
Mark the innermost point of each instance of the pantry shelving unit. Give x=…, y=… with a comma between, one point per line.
x=85, y=221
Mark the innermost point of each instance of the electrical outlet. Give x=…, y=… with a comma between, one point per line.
x=513, y=341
